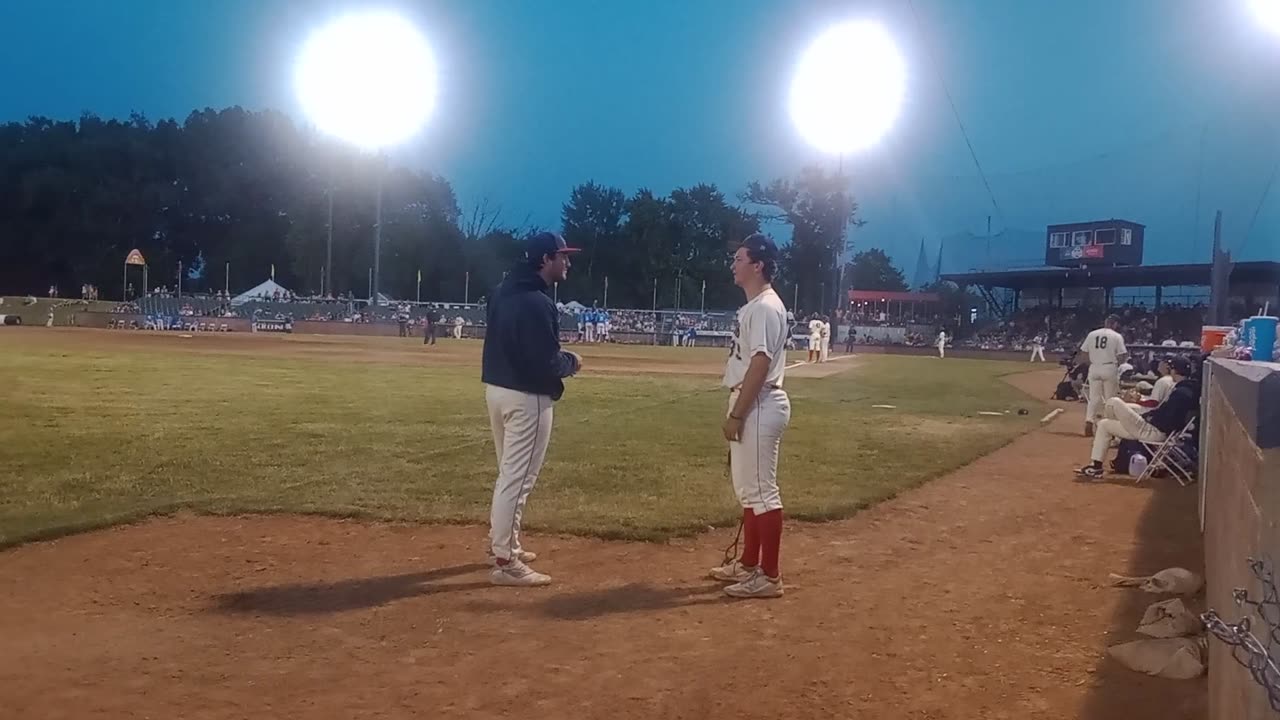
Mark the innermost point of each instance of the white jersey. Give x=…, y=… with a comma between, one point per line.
x=942, y=339
x=1162, y=389
x=1105, y=346
x=815, y=329
x=762, y=328
x=825, y=330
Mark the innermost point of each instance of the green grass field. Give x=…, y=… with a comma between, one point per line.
x=89, y=439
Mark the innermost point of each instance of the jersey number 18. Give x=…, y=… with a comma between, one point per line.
x=1100, y=342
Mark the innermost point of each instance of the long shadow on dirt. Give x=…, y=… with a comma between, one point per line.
x=1168, y=535
x=344, y=595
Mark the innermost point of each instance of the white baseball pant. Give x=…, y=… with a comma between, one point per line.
x=1127, y=425
x=753, y=460
x=942, y=350
x=1104, y=383
x=521, y=424
x=826, y=349
x=1037, y=352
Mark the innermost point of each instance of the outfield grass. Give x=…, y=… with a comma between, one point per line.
x=88, y=440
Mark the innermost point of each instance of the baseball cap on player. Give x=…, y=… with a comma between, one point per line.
x=761, y=246
x=546, y=243
x=1181, y=365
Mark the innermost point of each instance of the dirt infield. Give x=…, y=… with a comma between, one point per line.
x=978, y=596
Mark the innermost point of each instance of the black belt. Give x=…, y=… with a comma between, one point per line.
x=766, y=386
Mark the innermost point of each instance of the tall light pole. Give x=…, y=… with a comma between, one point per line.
x=845, y=96
x=369, y=79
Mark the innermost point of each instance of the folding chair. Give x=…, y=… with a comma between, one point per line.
x=1169, y=455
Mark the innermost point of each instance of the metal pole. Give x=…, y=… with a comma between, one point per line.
x=144, y=280
x=370, y=285
x=326, y=282
x=377, y=241
x=606, y=292
x=704, y=297
x=655, y=311
x=466, y=289
x=179, y=278
x=124, y=285
x=226, y=279
x=419, y=291
x=795, y=298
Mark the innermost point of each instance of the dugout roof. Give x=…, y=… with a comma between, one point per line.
x=1114, y=277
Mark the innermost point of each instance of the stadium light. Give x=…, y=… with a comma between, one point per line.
x=848, y=88
x=846, y=95
x=368, y=79
x=1268, y=14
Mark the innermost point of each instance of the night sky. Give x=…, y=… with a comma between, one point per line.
x=1157, y=111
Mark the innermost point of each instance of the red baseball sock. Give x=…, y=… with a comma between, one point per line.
x=750, y=539
x=769, y=526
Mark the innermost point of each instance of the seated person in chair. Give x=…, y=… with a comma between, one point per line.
x=1153, y=427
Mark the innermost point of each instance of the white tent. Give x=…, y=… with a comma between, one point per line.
x=573, y=306
x=265, y=291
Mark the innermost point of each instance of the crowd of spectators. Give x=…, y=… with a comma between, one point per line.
x=1062, y=328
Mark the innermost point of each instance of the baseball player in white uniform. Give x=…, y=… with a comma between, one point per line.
x=1037, y=348
x=826, y=340
x=759, y=412
x=942, y=343
x=1106, y=350
x=815, y=338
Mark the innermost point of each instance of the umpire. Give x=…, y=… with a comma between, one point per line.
x=523, y=371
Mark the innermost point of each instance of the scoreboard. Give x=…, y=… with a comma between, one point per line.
x=1102, y=242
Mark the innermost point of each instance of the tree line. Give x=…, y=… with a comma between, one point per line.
x=251, y=191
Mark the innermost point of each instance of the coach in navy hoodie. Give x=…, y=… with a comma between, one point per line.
x=1126, y=424
x=523, y=369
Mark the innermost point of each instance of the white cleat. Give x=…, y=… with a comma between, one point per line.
x=517, y=574
x=756, y=586
x=734, y=572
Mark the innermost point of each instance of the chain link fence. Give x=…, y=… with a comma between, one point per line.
x=1252, y=652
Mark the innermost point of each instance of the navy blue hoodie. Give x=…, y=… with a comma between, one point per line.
x=522, y=341
x=1173, y=413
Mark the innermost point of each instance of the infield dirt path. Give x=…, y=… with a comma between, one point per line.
x=980, y=595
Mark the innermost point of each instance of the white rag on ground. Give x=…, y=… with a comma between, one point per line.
x=1170, y=581
x=1169, y=619
x=1173, y=658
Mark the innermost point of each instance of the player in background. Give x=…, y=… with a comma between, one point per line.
x=759, y=412
x=942, y=343
x=1164, y=386
x=590, y=323
x=1106, y=350
x=523, y=371
x=429, y=327
x=815, y=338
x=600, y=323
x=582, y=326
x=824, y=351
x=1037, y=347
